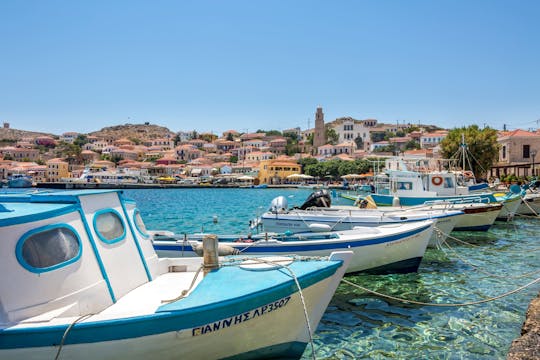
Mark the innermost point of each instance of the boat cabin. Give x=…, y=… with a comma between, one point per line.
x=70, y=253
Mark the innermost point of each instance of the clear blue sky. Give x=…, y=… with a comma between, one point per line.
x=248, y=65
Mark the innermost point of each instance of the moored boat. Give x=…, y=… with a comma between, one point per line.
x=19, y=181
x=390, y=248
x=84, y=282
x=317, y=215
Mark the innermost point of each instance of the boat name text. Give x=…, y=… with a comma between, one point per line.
x=238, y=319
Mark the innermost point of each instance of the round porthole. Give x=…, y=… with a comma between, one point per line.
x=109, y=226
x=139, y=224
x=48, y=248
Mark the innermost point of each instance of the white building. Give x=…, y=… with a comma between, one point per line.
x=348, y=129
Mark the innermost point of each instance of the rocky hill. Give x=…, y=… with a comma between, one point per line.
x=134, y=131
x=12, y=135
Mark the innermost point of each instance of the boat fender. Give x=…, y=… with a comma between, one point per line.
x=320, y=228
x=396, y=202
x=223, y=250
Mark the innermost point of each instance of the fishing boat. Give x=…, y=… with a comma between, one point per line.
x=317, y=214
x=390, y=248
x=412, y=188
x=476, y=215
x=83, y=281
x=19, y=181
x=530, y=203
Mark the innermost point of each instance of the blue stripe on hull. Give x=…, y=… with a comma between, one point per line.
x=398, y=267
x=473, y=228
x=298, y=249
x=386, y=200
x=293, y=350
x=175, y=316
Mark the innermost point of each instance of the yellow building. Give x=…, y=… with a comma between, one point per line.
x=57, y=169
x=275, y=171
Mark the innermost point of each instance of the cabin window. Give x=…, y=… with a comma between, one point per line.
x=48, y=248
x=448, y=182
x=109, y=226
x=404, y=185
x=139, y=223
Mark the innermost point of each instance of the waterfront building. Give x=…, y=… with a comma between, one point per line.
x=56, y=170
x=517, y=153
x=275, y=171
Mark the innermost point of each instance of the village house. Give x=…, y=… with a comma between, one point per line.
x=19, y=154
x=275, y=171
x=187, y=152
x=430, y=140
x=57, y=169
x=69, y=137
x=517, y=153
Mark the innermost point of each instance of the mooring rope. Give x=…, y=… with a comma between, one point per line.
x=293, y=275
x=80, y=318
x=439, y=231
x=530, y=208
x=238, y=261
x=186, y=291
x=407, y=301
x=477, y=268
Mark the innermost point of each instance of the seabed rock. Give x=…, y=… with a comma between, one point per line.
x=528, y=345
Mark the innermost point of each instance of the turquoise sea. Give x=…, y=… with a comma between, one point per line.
x=360, y=325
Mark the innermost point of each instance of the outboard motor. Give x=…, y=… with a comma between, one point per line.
x=279, y=204
x=319, y=198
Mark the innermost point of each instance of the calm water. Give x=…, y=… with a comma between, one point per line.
x=363, y=326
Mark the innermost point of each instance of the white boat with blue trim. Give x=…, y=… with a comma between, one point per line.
x=385, y=249
x=318, y=215
x=411, y=188
x=82, y=281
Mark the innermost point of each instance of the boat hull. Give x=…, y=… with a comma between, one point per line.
x=171, y=333
x=297, y=223
x=479, y=219
x=530, y=205
x=19, y=183
x=380, y=254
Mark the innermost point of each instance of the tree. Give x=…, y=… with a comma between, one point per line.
x=412, y=145
x=304, y=162
x=80, y=140
x=332, y=136
x=481, y=146
x=230, y=137
x=359, y=142
x=377, y=136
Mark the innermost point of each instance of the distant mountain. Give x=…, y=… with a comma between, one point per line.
x=135, y=131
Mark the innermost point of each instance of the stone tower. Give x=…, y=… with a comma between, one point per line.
x=319, y=136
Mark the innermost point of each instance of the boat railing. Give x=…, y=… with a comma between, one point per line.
x=465, y=200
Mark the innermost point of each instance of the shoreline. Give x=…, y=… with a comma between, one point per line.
x=527, y=346
x=93, y=185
